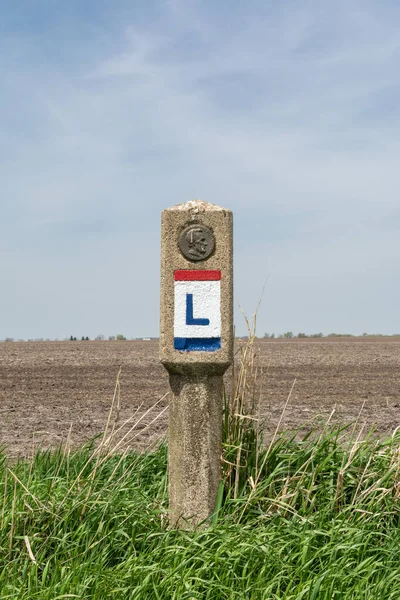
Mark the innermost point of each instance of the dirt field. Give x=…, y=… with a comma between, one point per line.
x=46, y=388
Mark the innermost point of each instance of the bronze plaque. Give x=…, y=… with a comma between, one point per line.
x=196, y=242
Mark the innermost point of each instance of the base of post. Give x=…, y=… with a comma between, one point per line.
x=194, y=447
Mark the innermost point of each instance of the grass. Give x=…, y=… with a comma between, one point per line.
x=322, y=521
x=311, y=518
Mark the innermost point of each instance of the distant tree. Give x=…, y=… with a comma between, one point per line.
x=316, y=335
x=302, y=335
x=99, y=337
x=288, y=334
x=111, y=338
x=365, y=334
x=9, y=339
x=336, y=335
x=120, y=337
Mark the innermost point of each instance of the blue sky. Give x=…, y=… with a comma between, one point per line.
x=287, y=113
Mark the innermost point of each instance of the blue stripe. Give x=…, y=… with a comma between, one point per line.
x=197, y=344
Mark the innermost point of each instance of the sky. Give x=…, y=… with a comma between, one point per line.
x=286, y=112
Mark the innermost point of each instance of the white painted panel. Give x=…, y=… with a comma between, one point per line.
x=206, y=305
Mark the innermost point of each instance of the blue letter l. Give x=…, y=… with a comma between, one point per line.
x=189, y=313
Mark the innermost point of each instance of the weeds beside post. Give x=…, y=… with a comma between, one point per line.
x=241, y=425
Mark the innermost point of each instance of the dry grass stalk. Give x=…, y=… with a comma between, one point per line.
x=260, y=470
x=28, y=547
x=4, y=500
x=16, y=480
x=100, y=447
x=12, y=520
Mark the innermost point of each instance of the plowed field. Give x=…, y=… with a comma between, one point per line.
x=48, y=389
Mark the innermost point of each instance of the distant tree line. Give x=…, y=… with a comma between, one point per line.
x=72, y=338
x=119, y=337
x=268, y=336
x=291, y=335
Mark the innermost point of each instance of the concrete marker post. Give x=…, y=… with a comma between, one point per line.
x=196, y=348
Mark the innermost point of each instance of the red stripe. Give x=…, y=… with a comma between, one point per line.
x=197, y=275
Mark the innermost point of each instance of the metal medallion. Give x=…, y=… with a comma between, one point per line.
x=196, y=242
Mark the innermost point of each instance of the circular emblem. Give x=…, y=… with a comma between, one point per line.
x=196, y=242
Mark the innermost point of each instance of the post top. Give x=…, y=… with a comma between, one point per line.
x=197, y=206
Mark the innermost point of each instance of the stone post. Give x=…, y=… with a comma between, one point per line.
x=196, y=348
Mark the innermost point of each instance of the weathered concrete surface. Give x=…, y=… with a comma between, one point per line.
x=174, y=221
x=194, y=447
x=196, y=377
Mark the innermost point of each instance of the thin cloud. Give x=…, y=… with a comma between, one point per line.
x=286, y=114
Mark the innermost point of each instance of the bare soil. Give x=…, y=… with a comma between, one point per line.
x=48, y=389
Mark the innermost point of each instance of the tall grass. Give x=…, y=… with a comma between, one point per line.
x=315, y=518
